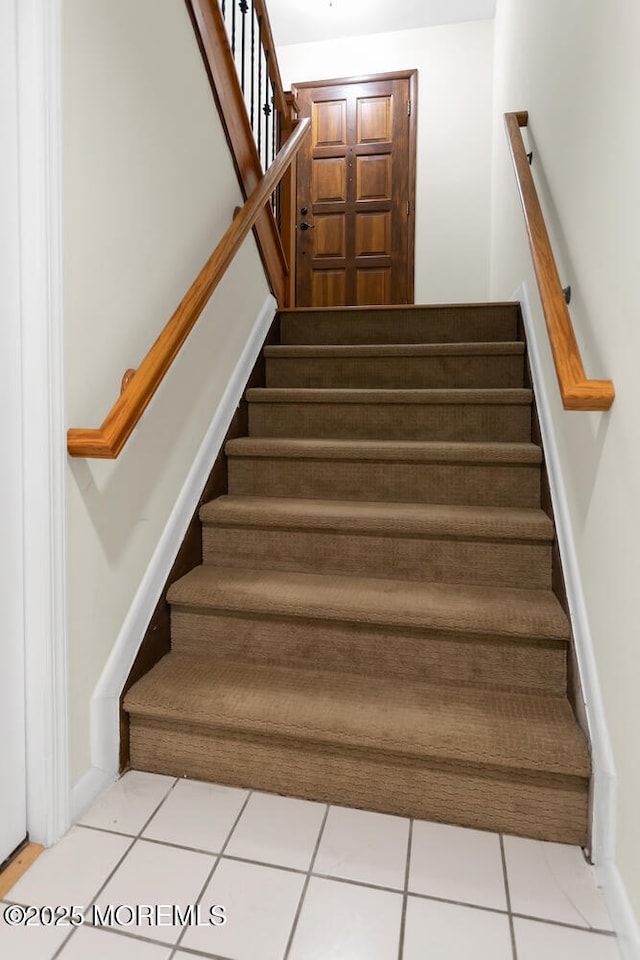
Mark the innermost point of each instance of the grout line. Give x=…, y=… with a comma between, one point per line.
x=567, y=926
x=358, y=883
x=122, y=932
x=134, y=840
x=181, y=846
x=194, y=952
x=120, y=861
x=116, y=833
x=305, y=886
x=63, y=944
x=97, y=894
x=166, y=796
x=514, y=948
x=218, y=858
x=458, y=903
x=265, y=863
x=405, y=895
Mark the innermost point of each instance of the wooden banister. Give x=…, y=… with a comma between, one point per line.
x=107, y=441
x=577, y=392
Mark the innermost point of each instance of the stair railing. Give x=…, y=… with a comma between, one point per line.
x=238, y=49
x=139, y=386
x=578, y=393
x=249, y=33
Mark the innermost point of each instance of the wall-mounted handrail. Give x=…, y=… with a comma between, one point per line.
x=107, y=441
x=577, y=392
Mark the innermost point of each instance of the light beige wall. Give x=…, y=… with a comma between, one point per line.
x=454, y=66
x=575, y=67
x=149, y=190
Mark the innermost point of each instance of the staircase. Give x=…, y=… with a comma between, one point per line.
x=374, y=624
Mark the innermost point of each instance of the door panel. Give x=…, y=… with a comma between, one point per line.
x=374, y=285
x=374, y=119
x=373, y=234
x=330, y=237
x=329, y=123
x=355, y=184
x=373, y=177
x=329, y=287
x=329, y=180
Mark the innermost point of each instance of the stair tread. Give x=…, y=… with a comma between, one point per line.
x=341, y=351
x=462, y=395
x=392, y=310
x=506, y=611
x=425, y=451
x=381, y=519
x=446, y=723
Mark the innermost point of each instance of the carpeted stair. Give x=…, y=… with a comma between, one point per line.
x=374, y=623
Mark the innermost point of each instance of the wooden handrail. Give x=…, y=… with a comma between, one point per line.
x=577, y=392
x=107, y=441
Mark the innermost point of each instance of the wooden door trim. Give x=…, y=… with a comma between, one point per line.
x=365, y=78
x=412, y=77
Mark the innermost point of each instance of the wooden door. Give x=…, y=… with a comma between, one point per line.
x=355, y=192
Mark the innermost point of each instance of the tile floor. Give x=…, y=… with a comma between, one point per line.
x=299, y=881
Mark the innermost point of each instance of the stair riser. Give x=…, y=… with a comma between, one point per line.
x=509, y=423
x=544, y=807
x=429, y=655
x=473, y=484
x=391, y=373
x=399, y=558
x=481, y=325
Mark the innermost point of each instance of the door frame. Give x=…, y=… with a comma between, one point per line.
x=14, y=820
x=32, y=117
x=412, y=77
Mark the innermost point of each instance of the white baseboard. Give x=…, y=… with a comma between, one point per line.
x=604, y=774
x=105, y=732
x=87, y=789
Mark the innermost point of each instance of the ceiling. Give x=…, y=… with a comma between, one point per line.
x=302, y=21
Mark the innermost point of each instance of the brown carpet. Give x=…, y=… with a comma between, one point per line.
x=373, y=623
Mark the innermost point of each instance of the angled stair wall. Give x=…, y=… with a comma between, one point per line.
x=374, y=622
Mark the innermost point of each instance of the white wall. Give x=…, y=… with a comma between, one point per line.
x=454, y=66
x=149, y=190
x=574, y=67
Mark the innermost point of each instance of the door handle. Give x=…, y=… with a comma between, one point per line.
x=306, y=226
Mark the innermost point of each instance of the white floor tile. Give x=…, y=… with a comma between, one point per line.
x=447, y=931
x=198, y=815
x=371, y=847
x=71, y=872
x=454, y=863
x=343, y=921
x=156, y=875
x=104, y=945
x=554, y=882
x=277, y=830
x=28, y=943
x=129, y=802
x=338, y=920
x=535, y=940
x=260, y=906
